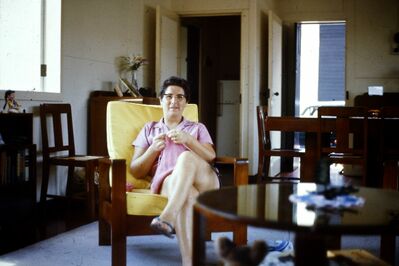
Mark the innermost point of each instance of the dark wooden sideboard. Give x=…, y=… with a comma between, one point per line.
x=17, y=170
x=376, y=102
x=97, y=138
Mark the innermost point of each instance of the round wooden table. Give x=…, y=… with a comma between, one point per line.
x=268, y=206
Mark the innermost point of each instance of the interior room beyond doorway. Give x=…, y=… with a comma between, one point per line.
x=213, y=57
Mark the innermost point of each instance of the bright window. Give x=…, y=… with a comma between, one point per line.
x=30, y=45
x=321, y=65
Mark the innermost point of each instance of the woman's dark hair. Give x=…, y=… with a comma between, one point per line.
x=176, y=81
x=6, y=94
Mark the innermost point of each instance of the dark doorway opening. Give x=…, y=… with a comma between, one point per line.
x=213, y=55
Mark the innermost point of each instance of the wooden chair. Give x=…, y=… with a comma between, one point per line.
x=389, y=144
x=265, y=149
x=342, y=136
x=122, y=213
x=56, y=121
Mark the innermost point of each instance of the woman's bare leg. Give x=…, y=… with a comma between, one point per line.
x=191, y=176
x=184, y=228
x=190, y=170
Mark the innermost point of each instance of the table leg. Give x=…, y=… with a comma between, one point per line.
x=387, y=248
x=310, y=249
x=199, y=255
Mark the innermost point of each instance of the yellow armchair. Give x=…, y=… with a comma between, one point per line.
x=122, y=213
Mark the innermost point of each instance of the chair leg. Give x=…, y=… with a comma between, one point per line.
x=45, y=177
x=118, y=242
x=261, y=166
x=68, y=192
x=104, y=232
x=71, y=171
x=263, y=170
x=90, y=188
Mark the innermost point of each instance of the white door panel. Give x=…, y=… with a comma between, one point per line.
x=167, y=46
x=274, y=82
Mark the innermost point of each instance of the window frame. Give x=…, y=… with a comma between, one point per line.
x=50, y=53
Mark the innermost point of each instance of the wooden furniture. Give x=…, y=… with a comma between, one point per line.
x=389, y=143
x=376, y=167
x=265, y=126
x=122, y=213
x=97, y=140
x=308, y=126
x=377, y=102
x=17, y=169
x=269, y=206
x=345, y=140
x=59, y=150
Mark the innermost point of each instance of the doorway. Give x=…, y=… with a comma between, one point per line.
x=320, y=69
x=320, y=64
x=213, y=70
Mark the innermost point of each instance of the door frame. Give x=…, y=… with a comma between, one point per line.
x=244, y=69
x=275, y=62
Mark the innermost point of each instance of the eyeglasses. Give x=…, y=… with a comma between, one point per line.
x=177, y=97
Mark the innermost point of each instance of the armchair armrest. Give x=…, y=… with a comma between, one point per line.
x=118, y=191
x=109, y=199
x=240, y=168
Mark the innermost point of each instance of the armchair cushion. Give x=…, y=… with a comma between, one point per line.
x=144, y=202
x=124, y=122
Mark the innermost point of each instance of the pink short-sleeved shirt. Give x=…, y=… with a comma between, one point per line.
x=167, y=159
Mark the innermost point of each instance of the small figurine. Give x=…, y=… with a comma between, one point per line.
x=11, y=105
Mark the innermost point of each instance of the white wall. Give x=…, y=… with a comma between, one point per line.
x=370, y=28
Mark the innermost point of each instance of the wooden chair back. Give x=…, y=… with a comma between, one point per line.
x=343, y=135
x=53, y=118
x=58, y=147
x=265, y=125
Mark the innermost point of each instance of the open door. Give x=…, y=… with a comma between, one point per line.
x=274, y=82
x=167, y=54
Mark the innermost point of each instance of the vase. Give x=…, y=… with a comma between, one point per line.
x=134, y=80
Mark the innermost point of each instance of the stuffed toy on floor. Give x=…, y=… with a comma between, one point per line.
x=233, y=255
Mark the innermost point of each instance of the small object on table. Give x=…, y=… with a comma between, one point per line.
x=333, y=192
x=333, y=197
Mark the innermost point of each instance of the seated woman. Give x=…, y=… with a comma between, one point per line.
x=177, y=153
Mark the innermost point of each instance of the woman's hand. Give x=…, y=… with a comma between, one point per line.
x=143, y=159
x=205, y=150
x=179, y=137
x=158, y=143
